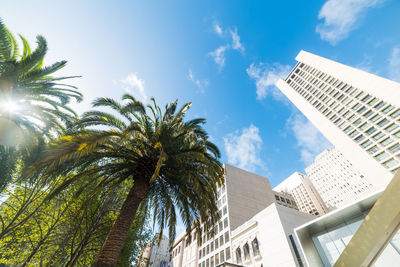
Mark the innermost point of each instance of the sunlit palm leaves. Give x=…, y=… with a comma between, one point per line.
x=30, y=97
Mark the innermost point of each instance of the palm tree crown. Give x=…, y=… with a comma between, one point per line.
x=30, y=98
x=173, y=165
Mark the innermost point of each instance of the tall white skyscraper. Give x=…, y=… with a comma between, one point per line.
x=336, y=180
x=304, y=193
x=356, y=111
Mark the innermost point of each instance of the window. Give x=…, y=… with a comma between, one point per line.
x=388, y=109
x=256, y=249
x=373, y=149
x=238, y=255
x=246, y=251
x=226, y=222
x=360, y=138
x=371, y=131
x=212, y=261
x=382, y=156
x=378, y=136
x=222, y=255
x=216, y=243
x=225, y=210
x=364, y=126
x=216, y=259
x=380, y=105
x=368, y=114
x=277, y=197
x=390, y=163
x=395, y=114
x=387, y=141
x=395, y=148
x=226, y=237
x=221, y=240
x=228, y=253
x=392, y=127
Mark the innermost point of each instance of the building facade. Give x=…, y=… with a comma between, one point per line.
x=156, y=253
x=304, y=194
x=323, y=240
x=268, y=238
x=243, y=195
x=336, y=180
x=356, y=111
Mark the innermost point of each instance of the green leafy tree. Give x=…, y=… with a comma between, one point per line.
x=68, y=230
x=33, y=104
x=171, y=162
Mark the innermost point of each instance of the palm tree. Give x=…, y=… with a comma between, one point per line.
x=33, y=104
x=173, y=165
x=30, y=98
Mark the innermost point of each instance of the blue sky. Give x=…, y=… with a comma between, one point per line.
x=224, y=56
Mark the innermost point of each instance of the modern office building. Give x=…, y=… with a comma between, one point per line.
x=323, y=240
x=305, y=195
x=356, y=111
x=156, y=253
x=243, y=195
x=336, y=180
x=268, y=239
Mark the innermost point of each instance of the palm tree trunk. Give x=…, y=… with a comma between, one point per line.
x=115, y=240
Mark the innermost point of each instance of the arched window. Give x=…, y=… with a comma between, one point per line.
x=256, y=249
x=246, y=251
x=238, y=255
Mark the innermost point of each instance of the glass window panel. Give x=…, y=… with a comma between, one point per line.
x=382, y=156
x=371, y=131
x=383, y=122
x=390, y=163
x=373, y=149
x=395, y=148
x=387, y=141
x=388, y=109
x=395, y=114
x=378, y=136
x=376, y=117
x=366, y=144
x=392, y=127
x=365, y=126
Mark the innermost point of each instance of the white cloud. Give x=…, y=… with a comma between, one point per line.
x=310, y=141
x=394, y=64
x=200, y=84
x=340, y=18
x=266, y=77
x=219, y=55
x=218, y=29
x=135, y=86
x=243, y=148
x=236, y=45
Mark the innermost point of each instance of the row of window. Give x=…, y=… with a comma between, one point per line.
x=217, y=242
x=246, y=251
x=355, y=107
x=218, y=258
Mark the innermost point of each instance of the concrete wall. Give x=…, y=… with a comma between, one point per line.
x=247, y=195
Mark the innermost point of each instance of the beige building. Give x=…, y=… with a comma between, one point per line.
x=155, y=254
x=356, y=111
x=304, y=194
x=243, y=195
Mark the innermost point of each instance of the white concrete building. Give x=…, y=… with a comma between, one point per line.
x=336, y=180
x=244, y=195
x=356, y=111
x=268, y=238
x=155, y=253
x=304, y=193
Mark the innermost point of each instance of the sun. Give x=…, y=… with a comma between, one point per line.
x=9, y=106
